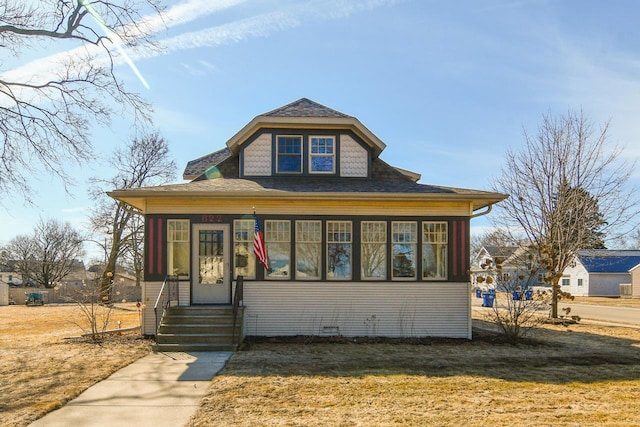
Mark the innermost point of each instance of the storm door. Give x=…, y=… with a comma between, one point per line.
x=211, y=282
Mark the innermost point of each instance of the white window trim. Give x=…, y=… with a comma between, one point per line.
x=298, y=241
x=301, y=154
x=287, y=241
x=171, y=241
x=417, y=252
x=386, y=248
x=311, y=155
x=350, y=242
x=249, y=244
x=445, y=242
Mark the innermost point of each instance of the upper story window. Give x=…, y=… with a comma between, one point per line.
x=289, y=154
x=322, y=154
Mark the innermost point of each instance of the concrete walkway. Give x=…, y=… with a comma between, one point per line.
x=162, y=389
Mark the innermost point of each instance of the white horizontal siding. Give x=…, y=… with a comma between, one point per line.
x=150, y=292
x=392, y=309
x=607, y=284
x=184, y=293
x=635, y=281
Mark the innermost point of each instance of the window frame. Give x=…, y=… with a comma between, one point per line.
x=385, y=248
x=299, y=234
x=332, y=155
x=329, y=241
x=442, y=245
x=285, y=242
x=300, y=155
x=413, y=243
x=172, y=241
x=249, y=226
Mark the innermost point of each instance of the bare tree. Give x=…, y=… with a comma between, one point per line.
x=144, y=161
x=518, y=309
x=46, y=113
x=48, y=256
x=568, y=189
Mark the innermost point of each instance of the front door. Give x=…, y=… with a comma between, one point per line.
x=211, y=282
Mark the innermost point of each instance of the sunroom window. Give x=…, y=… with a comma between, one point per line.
x=404, y=243
x=374, y=250
x=434, y=250
x=339, y=241
x=321, y=154
x=289, y=154
x=277, y=237
x=178, y=246
x=245, y=262
x=308, y=249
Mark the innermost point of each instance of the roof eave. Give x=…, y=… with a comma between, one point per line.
x=259, y=122
x=139, y=198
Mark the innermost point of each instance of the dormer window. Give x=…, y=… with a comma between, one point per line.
x=322, y=154
x=289, y=154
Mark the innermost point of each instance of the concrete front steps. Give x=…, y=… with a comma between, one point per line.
x=199, y=328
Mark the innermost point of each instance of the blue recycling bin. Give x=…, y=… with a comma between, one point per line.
x=488, y=298
x=478, y=293
x=516, y=295
x=528, y=294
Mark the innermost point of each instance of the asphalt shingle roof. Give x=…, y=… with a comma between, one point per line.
x=609, y=261
x=304, y=107
x=199, y=166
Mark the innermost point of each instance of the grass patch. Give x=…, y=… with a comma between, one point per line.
x=40, y=370
x=584, y=375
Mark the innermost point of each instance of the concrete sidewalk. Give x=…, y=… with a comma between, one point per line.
x=162, y=389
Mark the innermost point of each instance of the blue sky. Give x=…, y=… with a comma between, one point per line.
x=447, y=85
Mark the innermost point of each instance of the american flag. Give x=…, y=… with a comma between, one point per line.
x=259, y=248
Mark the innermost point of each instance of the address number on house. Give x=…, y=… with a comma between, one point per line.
x=211, y=218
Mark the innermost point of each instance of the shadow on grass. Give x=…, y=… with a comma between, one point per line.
x=554, y=356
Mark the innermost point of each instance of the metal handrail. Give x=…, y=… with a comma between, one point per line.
x=164, y=297
x=237, y=298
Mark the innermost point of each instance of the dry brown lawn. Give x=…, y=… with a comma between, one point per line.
x=40, y=370
x=583, y=375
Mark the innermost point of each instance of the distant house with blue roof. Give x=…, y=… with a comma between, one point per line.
x=600, y=272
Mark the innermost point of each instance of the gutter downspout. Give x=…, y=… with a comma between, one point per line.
x=489, y=209
x=470, y=334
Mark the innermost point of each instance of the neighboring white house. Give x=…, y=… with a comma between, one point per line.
x=600, y=272
x=516, y=261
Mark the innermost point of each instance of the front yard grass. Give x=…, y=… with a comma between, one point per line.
x=584, y=375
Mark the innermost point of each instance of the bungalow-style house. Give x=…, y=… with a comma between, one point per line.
x=516, y=260
x=355, y=246
x=599, y=272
